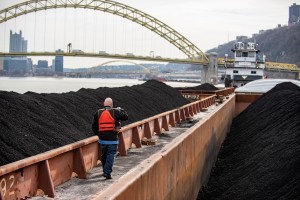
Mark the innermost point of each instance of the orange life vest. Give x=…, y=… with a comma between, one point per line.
x=106, y=122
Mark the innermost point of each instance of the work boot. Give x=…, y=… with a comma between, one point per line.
x=107, y=176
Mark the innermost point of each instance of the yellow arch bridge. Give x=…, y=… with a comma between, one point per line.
x=192, y=52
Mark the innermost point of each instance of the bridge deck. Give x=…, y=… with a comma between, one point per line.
x=95, y=183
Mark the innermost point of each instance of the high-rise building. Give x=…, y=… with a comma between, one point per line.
x=42, y=64
x=59, y=63
x=1, y=63
x=29, y=64
x=294, y=14
x=19, y=64
x=17, y=42
x=43, y=69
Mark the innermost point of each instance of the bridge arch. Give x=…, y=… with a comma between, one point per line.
x=93, y=69
x=122, y=10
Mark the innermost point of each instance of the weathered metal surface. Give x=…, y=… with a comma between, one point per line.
x=133, y=133
x=195, y=95
x=243, y=101
x=40, y=174
x=182, y=166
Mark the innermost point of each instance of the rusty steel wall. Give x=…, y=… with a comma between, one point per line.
x=40, y=174
x=243, y=100
x=182, y=166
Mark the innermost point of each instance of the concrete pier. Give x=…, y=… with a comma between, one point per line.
x=209, y=74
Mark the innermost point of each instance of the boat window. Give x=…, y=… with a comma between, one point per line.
x=245, y=54
x=238, y=54
x=253, y=72
x=235, y=71
x=251, y=54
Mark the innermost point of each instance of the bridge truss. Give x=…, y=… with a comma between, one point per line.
x=115, y=8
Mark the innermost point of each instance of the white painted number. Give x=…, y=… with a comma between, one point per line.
x=12, y=179
x=3, y=187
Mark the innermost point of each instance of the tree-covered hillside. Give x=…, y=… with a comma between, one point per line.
x=279, y=45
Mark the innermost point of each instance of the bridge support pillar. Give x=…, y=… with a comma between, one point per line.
x=209, y=73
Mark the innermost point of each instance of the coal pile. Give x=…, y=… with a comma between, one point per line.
x=205, y=86
x=260, y=158
x=33, y=123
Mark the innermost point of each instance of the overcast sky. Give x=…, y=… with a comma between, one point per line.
x=206, y=23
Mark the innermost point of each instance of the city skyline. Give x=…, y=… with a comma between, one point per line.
x=23, y=65
x=206, y=24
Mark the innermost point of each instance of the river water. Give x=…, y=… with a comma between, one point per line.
x=60, y=85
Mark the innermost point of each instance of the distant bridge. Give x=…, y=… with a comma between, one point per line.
x=269, y=65
x=99, y=55
x=194, y=54
x=89, y=74
x=95, y=70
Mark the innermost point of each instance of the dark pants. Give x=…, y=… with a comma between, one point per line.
x=108, y=156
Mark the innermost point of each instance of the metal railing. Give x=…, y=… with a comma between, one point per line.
x=40, y=174
x=195, y=95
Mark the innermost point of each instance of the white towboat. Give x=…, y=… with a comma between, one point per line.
x=247, y=65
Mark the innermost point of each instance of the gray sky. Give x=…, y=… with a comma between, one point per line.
x=205, y=23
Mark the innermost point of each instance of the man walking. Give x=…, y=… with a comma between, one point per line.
x=106, y=125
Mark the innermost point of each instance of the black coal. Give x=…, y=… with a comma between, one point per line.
x=33, y=123
x=204, y=86
x=260, y=158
